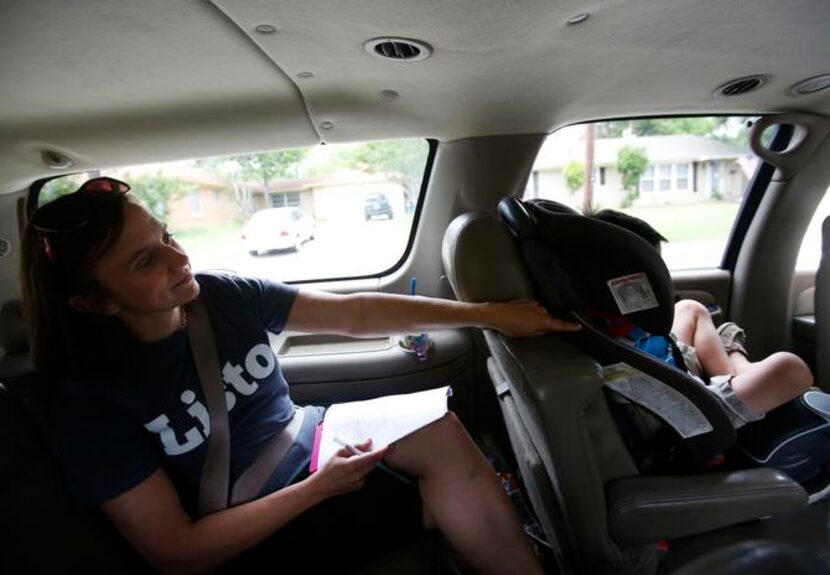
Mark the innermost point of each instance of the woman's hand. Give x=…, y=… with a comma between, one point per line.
x=524, y=318
x=346, y=472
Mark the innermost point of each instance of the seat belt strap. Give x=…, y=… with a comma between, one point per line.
x=213, y=489
x=248, y=485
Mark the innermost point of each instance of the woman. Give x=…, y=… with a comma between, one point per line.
x=105, y=286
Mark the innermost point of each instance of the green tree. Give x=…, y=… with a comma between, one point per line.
x=631, y=163
x=401, y=160
x=231, y=173
x=53, y=189
x=157, y=191
x=574, y=173
x=266, y=167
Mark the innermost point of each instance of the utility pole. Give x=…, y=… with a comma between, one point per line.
x=588, y=194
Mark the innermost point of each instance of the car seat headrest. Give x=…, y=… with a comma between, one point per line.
x=482, y=260
x=582, y=264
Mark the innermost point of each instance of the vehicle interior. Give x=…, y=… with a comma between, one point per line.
x=723, y=106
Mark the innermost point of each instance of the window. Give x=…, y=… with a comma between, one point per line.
x=195, y=203
x=271, y=203
x=647, y=180
x=665, y=177
x=684, y=176
x=809, y=255
x=285, y=200
x=681, y=172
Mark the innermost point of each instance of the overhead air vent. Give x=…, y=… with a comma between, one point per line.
x=741, y=86
x=398, y=49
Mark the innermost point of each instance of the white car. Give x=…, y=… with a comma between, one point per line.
x=277, y=229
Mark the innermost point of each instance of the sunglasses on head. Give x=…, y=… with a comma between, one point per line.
x=71, y=212
x=68, y=215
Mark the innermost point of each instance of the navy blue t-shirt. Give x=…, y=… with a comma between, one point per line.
x=111, y=436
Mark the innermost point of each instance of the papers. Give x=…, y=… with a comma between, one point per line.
x=384, y=420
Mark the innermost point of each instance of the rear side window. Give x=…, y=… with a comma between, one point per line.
x=684, y=176
x=335, y=211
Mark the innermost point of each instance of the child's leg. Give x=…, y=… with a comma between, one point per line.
x=693, y=326
x=463, y=498
x=766, y=384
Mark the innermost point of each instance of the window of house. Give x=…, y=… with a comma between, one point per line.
x=647, y=180
x=285, y=200
x=684, y=176
x=664, y=171
x=195, y=198
x=271, y=203
x=681, y=172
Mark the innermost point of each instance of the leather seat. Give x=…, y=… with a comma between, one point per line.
x=599, y=514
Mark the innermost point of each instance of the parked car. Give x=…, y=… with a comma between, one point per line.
x=376, y=206
x=478, y=87
x=277, y=229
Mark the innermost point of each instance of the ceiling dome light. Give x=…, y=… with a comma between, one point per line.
x=265, y=28
x=809, y=86
x=55, y=160
x=398, y=49
x=578, y=19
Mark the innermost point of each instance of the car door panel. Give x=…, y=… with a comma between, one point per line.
x=337, y=369
x=710, y=287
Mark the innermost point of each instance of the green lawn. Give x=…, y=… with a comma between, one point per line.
x=209, y=237
x=702, y=221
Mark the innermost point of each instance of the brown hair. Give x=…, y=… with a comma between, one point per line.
x=63, y=340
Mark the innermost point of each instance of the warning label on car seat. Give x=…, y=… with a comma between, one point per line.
x=632, y=293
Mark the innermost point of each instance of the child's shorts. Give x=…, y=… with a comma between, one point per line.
x=721, y=387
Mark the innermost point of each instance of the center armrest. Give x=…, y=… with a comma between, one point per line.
x=647, y=509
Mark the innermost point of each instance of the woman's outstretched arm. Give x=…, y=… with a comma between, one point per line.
x=370, y=314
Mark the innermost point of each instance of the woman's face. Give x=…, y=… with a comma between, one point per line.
x=145, y=271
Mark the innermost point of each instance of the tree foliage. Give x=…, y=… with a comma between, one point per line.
x=697, y=126
x=57, y=188
x=574, y=172
x=156, y=191
x=631, y=163
x=266, y=167
x=402, y=161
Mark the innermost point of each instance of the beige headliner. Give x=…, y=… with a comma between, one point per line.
x=112, y=82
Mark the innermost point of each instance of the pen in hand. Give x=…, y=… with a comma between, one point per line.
x=380, y=465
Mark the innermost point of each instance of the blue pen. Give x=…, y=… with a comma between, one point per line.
x=355, y=451
x=412, y=283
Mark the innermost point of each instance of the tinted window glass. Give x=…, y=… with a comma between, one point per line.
x=332, y=211
x=685, y=176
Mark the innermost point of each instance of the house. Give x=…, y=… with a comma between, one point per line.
x=681, y=168
x=338, y=195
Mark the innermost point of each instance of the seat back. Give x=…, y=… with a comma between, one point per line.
x=548, y=390
x=599, y=514
x=822, y=310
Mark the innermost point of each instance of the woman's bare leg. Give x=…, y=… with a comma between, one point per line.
x=463, y=497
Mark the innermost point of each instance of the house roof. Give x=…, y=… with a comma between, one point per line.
x=558, y=149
